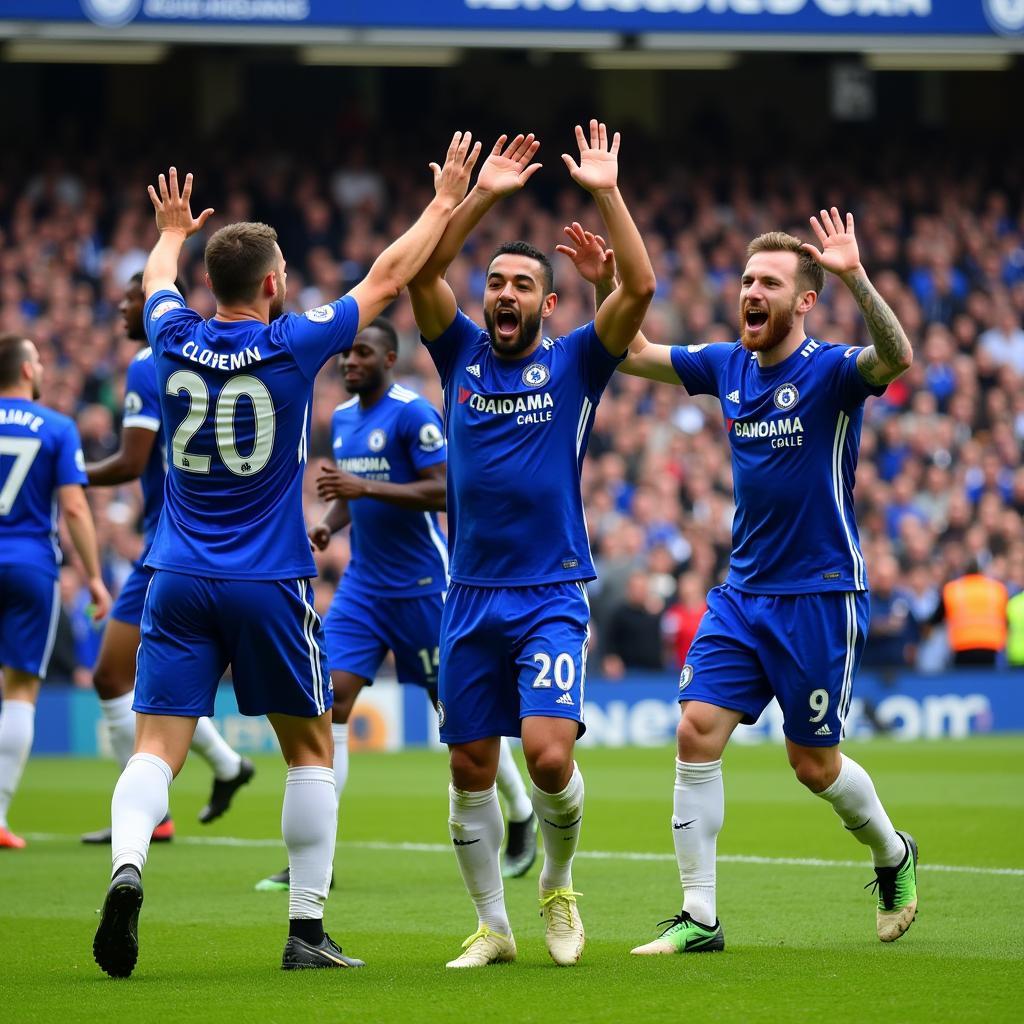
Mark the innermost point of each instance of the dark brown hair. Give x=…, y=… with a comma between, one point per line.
x=238, y=257
x=13, y=356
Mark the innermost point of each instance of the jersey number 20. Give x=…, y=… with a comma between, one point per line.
x=243, y=385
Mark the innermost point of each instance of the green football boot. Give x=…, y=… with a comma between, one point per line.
x=897, y=893
x=684, y=935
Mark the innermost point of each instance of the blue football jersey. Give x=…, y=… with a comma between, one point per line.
x=40, y=450
x=396, y=552
x=517, y=431
x=142, y=410
x=794, y=431
x=235, y=400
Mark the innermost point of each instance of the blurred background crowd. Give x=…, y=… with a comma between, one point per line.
x=940, y=487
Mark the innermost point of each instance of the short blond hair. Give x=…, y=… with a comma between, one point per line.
x=810, y=275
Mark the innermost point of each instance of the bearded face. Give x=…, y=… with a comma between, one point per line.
x=765, y=323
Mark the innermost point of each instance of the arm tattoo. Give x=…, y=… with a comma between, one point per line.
x=890, y=352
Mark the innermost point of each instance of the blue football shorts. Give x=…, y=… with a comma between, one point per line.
x=29, y=610
x=803, y=649
x=509, y=653
x=128, y=606
x=360, y=629
x=267, y=631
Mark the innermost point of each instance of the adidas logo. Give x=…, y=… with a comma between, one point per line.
x=565, y=699
x=474, y=369
x=809, y=348
x=733, y=396
x=823, y=731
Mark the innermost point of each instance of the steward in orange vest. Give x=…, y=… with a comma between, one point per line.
x=974, y=609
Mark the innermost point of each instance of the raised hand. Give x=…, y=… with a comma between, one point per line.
x=451, y=181
x=507, y=170
x=839, y=253
x=173, y=209
x=598, y=169
x=590, y=255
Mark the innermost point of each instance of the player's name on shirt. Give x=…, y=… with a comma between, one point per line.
x=21, y=418
x=196, y=353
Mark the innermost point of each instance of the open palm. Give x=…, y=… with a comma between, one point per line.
x=593, y=260
x=598, y=168
x=508, y=168
x=839, y=252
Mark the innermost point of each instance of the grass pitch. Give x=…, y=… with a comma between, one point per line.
x=800, y=939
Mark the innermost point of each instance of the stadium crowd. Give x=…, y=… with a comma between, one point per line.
x=941, y=479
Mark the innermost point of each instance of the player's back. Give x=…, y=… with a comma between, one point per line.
x=236, y=399
x=398, y=552
x=40, y=452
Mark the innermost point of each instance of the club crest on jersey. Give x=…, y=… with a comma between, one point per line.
x=786, y=396
x=320, y=314
x=685, y=677
x=536, y=375
x=164, y=307
x=377, y=439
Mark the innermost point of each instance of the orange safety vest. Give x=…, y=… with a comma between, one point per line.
x=975, y=613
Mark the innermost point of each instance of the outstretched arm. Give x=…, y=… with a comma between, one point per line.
x=175, y=223
x=427, y=494
x=622, y=314
x=127, y=463
x=404, y=258
x=891, y=354
x=595, y=263
x=507, y=169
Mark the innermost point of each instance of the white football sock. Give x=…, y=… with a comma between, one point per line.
x=309, y=821
x=477, y=829
x=855, y=801
x=698, y=812
x=138, y=806
x=560, y=816
x=214, y=750
x=120, y=719
x=511, y=785
x=340, y=733
x=17, y=727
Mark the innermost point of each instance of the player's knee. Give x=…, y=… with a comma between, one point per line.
x=469, y=770
x=815, y=774
x=550, y=768
x=694, y=739
x=109, y=683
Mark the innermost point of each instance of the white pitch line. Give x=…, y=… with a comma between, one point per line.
x=626, y=855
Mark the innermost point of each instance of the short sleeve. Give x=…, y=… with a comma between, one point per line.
x=849, y=382
x=423, y=434
x=445, y=348
x=70, y=460
x=165, y=311
x=141, y=401
x=596, y=362
x=695, y=368
x=316, y=335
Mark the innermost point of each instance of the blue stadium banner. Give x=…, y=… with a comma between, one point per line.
x=810, y=17
x=639, y=711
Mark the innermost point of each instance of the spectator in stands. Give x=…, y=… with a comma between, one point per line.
x=893, y=630
x=680, y=621
x=633, y=640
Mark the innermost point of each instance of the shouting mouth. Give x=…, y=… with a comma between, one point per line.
x=754, y=319
x=506, y=322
